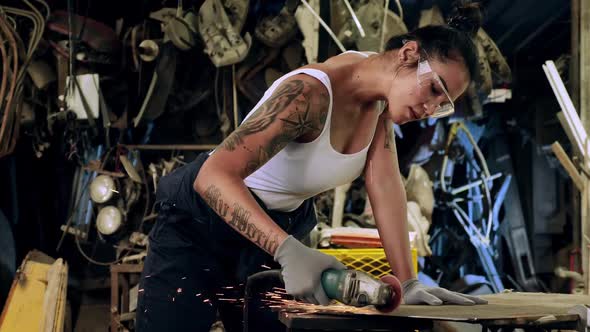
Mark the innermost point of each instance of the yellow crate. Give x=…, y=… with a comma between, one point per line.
x=370, y=260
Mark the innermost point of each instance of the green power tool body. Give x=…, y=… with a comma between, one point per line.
x=359, y=289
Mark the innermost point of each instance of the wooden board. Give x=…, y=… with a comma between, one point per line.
x=36, y=301
x=519, y=307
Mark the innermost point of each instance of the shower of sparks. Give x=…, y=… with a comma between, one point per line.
x=278, y=299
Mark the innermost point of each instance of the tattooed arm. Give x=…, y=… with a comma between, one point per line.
x=387, y=195
x=296, y=111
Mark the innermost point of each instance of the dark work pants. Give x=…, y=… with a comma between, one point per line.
x=197, y=264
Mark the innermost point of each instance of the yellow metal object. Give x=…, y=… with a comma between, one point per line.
x=370, y=260
x=37, y=298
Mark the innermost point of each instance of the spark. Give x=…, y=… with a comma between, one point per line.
x=183, y=278
x=199, y=294
x=219, y=294
x=140, y=290
x=179, y=290
x=266, y=267
x=148, y=276
x=173, y=299
x=228, y=287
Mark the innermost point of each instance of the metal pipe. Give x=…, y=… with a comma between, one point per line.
x=474, y=184
x=12, y=41
x=4, y=69
x=324, y=25
x=355, y=19
x=563, y=273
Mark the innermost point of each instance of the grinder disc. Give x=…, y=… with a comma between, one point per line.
x=396, y=296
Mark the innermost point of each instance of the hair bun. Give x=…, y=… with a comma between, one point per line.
x=465, y=16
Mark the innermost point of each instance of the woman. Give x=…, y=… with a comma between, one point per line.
x=228, y=214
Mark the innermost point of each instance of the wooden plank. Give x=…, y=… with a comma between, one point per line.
x=317, y=322
x=568, y=165
x=574, y=68
x=569, y=133
x=60, y=321
x=24, y=308
x=114, y=300
x=49, y=301
x=127, y=268
x=574, y=87
x=124, y=293
x=584, y=36
x=503, y=306
x=574, y=121
x=584, y=206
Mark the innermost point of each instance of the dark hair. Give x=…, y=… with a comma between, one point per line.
x=451, y=41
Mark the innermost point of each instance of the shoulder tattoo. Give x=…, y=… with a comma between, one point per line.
x=266, y=114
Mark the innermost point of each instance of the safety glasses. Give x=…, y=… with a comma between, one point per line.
x=428, y=79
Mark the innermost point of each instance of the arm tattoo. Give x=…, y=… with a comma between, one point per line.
x=263, y=117
x=213, y=198
x=239, y=219
x=298, y=122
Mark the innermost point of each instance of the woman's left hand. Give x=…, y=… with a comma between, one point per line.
x=417, y=293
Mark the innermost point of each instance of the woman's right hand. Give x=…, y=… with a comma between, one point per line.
x=302, y=269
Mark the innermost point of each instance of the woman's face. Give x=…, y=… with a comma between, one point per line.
x=412, y=99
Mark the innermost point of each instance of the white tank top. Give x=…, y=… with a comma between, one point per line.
x=302, y=170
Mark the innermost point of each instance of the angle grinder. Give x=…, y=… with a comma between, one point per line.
x=359, y=289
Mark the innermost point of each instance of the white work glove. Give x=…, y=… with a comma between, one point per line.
x=302, y=268
x=417, y=293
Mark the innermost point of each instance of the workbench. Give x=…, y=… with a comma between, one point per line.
x=532, y=311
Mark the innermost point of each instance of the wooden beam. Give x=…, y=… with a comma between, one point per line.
x=584, y=35
x=569, y=133
x=574, y=122
x=584, y=110
x=568, y=165
x=574, y=68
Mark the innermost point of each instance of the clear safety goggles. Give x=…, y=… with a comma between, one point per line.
x=427, y=78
